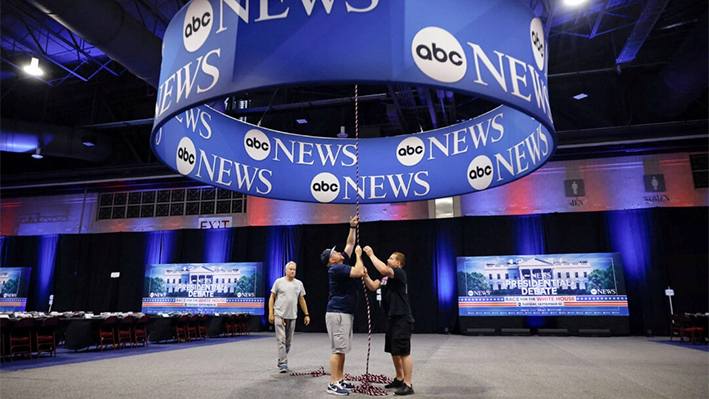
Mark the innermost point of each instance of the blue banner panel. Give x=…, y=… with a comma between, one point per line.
x=487, y=48
x=210, y=288
x=542, y=285
x=14, y=283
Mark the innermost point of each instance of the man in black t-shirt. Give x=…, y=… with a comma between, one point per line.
x=395, y=300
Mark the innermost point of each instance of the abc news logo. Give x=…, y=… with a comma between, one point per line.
x=186, y=156
x=480, y=172
x=257, y=144
x=197, y=24
x=439, y=55
x=536, y=36
x=325, y=187
x=410, y=151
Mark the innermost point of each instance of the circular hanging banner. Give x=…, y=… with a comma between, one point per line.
x=488, y=48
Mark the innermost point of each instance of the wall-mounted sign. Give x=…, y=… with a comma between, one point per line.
x=654, y=183
x=574, y=188
x=215, y=223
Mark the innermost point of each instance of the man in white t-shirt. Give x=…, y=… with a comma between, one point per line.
x=287, y=292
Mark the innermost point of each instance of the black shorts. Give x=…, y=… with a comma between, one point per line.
x=398, y=336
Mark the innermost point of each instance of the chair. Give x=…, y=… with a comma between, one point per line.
x=106, y=332
x=21, y=336
x=124, y=331
x=202, y=330
x=140, y=330
x=231, y=324
x=4, y=336
x=192, y=327
x=682, y=326
x=243, y=321
x=180, y=328
x=46, y=338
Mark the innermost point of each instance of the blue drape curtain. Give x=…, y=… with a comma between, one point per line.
x=633, y=234
x=43, y=275
x=159, y=247
x=2, y=251
x=529, y=234
x=282, y=246
x=218, y=245
x=444, y=275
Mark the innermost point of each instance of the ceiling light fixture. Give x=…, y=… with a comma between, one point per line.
x=37, y=154
x=88, y=140
x=580, y=96
x=342, y=133
x=574, y=2
x=302, y=118
x=33, y=68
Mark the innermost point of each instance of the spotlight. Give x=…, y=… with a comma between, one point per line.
x=33, y=68
x=37, y=154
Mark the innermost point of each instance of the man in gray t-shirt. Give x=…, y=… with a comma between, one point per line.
x=287, y=292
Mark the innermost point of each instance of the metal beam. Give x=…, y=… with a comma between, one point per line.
x=651, y=13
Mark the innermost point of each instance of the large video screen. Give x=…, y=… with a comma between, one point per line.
x=210, y=288
x=542, y=285
x=14, y=282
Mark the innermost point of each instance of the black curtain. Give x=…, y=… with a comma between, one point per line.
x=660, y=247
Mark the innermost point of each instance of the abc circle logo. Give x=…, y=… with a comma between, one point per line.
x=410, y=151
x=480, y=172
x=439, y=55
x=325, y=187
x=594, y=291
x=186, y=156
x=536, y=35
x=257, y=144
x=197, y=24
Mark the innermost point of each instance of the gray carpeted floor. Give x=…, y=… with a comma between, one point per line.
x=445, y=366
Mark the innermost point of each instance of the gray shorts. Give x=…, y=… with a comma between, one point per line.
x=339, y=329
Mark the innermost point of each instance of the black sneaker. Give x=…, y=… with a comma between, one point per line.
x=394, y=384
x=405, y=390
x=346, y=385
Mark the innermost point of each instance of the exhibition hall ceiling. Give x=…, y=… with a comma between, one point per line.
x=641, y=65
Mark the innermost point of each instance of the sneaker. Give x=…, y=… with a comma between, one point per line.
x=346, y=385
x=283, y=368
x=394, y=384
x=405, y=390
x=336, y=389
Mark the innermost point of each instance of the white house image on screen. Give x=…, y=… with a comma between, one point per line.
x=4, y=277
x=557, y=272
x=224, y=280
